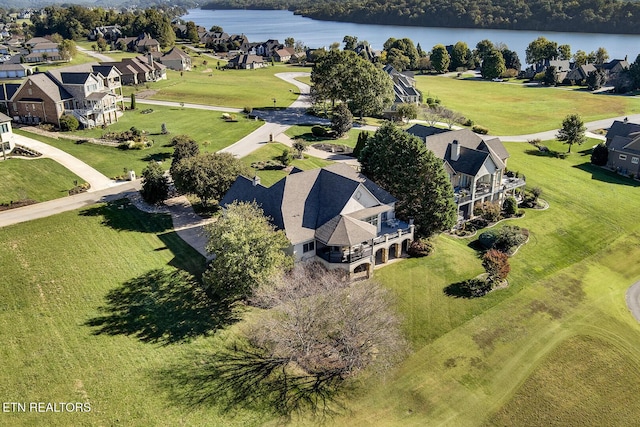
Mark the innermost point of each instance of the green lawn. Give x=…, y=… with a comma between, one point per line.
x=38, y=179
x=230, y=88
x=270, y=151
x=56, y=273
x=206, y=127
x=514, y=109
x=304, y=132
x=489, y=360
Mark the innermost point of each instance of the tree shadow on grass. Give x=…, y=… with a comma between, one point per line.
x=185, y=257
x=472, y=288
x=161, y=306
x=122, y=215
x=604, y=175
x=157, y=157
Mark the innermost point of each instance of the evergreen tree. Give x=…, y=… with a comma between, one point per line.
x=155, y=184
x=421, y=184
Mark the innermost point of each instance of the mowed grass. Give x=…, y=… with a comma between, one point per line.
x=206, y=127
x=230, y=88
x=56, y=273
x=473, y=359
x=38, y=179
x=273, y=150
x=514, y=109
x=304, y=132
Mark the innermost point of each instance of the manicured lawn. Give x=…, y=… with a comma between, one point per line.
x=229, y=88
x=206, y=127
x=56, y=273
x=304, y=132
x=495, y=355
x=270, y=151
x=38, y=179
x=514, y=109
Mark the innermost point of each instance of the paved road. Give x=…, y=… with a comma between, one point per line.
x=633, y=300
x=97, y=180
x=64, y=204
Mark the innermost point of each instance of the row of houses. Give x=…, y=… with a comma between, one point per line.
x=567, y=72
x=90, y=92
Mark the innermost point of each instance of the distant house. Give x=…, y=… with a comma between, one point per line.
x=332, y=215
x=615, y=70
x=246, y=62
x=212, y=39
x=6, y=135
x=107, y=32
x=579, y=74
x=266, y=49
x=44, y=51
x=140, y=70
x=623, y=143
x=284, y=54
x=142, y=44
x=562, y=68
x=476, y=167
x=404, y=89
x=13, y=71
x=176, y=59
x=36, y=40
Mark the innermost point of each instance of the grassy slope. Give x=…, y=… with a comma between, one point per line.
x=270, y=151
x=513, y=109
x=472, y=356
x=230, y=88
x=39, y=179
x=206, y=127
x=48, y=291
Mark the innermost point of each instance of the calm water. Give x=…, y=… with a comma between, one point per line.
x=261, y=25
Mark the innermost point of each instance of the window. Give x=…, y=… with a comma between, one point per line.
x=384, y=216
x=308, y=247
x=634, y=160
x=373, y=220
x=4, y=128
x=623, y=157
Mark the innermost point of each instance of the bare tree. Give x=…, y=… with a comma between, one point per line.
x=449, y=117
x=319, y=331
x=430, y=115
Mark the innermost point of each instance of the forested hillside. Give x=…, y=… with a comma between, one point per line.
x=595, y=16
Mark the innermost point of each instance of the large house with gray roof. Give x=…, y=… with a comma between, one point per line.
x=476, y=167
x=623, y=143
x=333, y=215
x=404, y=89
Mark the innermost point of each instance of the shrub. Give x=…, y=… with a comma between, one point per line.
x=510, y=206
x=600, y=155
x=469, y=123
x=475, y=288
x=319, y=131
x=487, y=210
x=247, y=109
x=505, y=240
x=480, y=129
x=496, y=264
x=420, y=248
x=430, y=101
x=285, y=157
x=68, y=123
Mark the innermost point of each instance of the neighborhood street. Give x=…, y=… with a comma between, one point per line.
x=189, y=225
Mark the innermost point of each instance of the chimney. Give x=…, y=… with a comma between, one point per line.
x=455, y=150
x=150, y=59
x=256, y=180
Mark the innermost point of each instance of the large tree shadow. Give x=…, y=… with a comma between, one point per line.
x=604, y=175
x=161, y=306
x=122, y=215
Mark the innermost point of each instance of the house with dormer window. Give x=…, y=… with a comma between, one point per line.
x=333, y=215
x=476, y=167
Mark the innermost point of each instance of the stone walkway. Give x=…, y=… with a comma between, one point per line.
x=633, y=300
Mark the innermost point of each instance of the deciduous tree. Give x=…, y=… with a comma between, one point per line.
x=440, y=58
x=572, y=131
x=496, y=264
x=493, y=65
x=155, y=184
x=249, y=252
x=341, y=119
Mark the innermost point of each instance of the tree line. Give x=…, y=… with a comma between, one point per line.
x=591, y=16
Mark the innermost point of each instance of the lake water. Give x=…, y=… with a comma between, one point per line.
x=261, y=25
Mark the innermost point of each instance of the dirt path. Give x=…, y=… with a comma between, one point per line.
x=633, y=300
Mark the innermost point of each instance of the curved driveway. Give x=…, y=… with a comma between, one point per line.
x=633, y=300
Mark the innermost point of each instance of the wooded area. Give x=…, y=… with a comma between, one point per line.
x=590, y=16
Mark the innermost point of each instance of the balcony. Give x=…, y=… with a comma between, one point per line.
x=509, y=183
